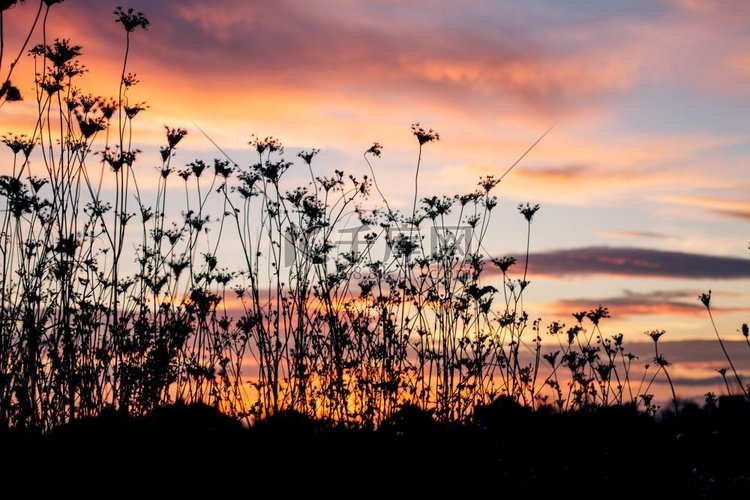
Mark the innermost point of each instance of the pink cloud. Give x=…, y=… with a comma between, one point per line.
x=629, y=234
x=727, y=207
x=629, y=304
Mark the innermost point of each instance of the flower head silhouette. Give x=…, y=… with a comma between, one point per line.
x=528, y=211
x=10, y=92
x=424, y=136
x=174, y=136
x=376, y=149
x=130, y=19
x=132, y=111
x=270, y=144
x=19, y=144
x=307, y=156
x=655, y=334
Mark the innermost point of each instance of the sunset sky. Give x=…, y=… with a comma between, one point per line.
x=643, y=181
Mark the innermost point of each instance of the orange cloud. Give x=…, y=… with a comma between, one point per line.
x=564, y=169
x=733, y=208
x=626, y=307
x=265, y=61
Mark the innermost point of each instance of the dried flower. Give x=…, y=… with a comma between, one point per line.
x=424, y=136
x=19, y=143
x=89, y=126
x=375, y=149
x=222, y=168
x=655, y=334
x=528, y=211
x=197, y=167
x=573, y=332
x=269, y=144
x=551, y=357
x=118, y=159
x=130, y=19
x=597, y=314
x=130, y=80
x=10, y=92
x=307, y=156
x=59, y=53
x=488, y=183
x=174, y=136
x=131, y=111
x=661, y=361
x=108, y=108
x=37, y=183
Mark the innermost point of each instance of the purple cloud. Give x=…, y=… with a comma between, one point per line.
x=637, y=262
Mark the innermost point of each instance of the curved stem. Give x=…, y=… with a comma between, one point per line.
x=2, y=38
x=416, y=186
x=726, y=354
x=25, y=43
x=528, y=244
x=120, y=92
x=375, y=181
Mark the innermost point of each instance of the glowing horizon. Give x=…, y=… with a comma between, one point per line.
x=648, y=154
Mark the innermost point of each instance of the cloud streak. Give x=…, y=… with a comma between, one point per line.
x=661, y=302
x=357, y=48
x=635, y=262
x=726, y=207
x=632, y=234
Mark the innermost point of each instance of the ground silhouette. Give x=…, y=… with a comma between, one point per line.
x=613, y=452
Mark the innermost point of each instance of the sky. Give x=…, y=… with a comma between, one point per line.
x=642, y=180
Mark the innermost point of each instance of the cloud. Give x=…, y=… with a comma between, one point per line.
x=347, y=72
x=704, y=353
x=483, y=56
x=571, y=171
x=726, y=207
x=353, y=48
x=635, y=262
x=632, y=234
x=661, y=302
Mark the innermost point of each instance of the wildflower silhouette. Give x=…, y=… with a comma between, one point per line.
x=118, y=299
x=130, y=19
x=423, y=137
x=19, y=144
x=528, y=212
x=705, y=299
x=662, y=364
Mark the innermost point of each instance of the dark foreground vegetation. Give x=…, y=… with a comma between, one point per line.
x=403, y=363
x=258, y=293
x=507, y=452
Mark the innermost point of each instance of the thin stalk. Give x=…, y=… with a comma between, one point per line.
x=726, y=354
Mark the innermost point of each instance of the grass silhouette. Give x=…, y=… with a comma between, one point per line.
x=395, y=343
x=403, y=315
x=119, y=317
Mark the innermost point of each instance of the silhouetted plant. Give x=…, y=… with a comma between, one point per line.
x=111, y=301
x=705, y=299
